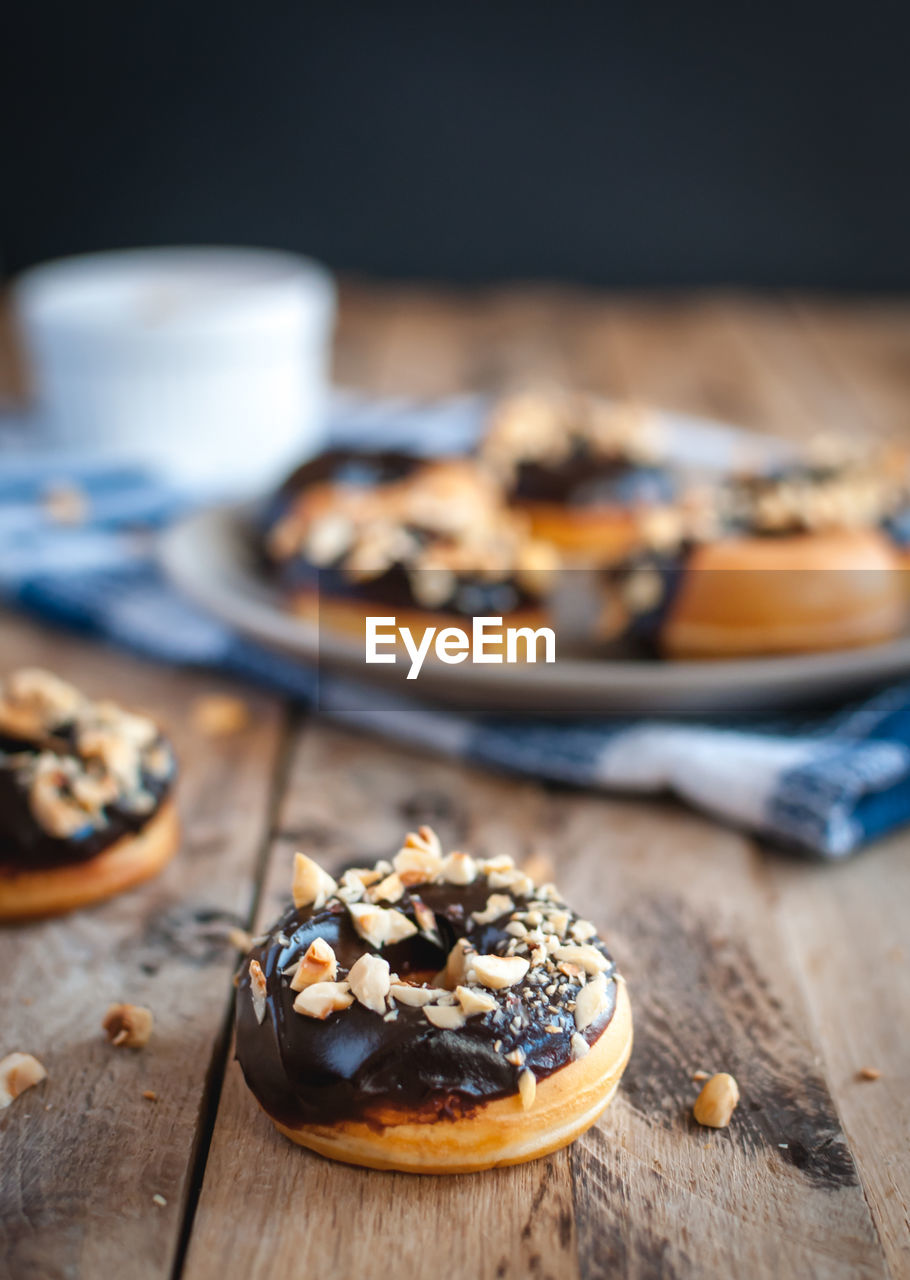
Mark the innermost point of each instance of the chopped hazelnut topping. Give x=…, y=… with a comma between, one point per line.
x=516, y=1057
x=239, y=938
x=369, y=979
x=59, y=814
x=404, y=993
x=579, y=1046
x=380, y=925
x=582, y=930
x=34, y=700
x=424, y=838
x=448, y=1016
x=416, y=866
x=115, y=739
x=473, y=1002
x=527, y=1087
x=457, y=964
x=420, y=857
x=459, y=868
x=128, y=1025
x=591, y=1002
x=369, y=875
x=515, y=880
x=717, y=1101
x=502, y=862
x=257, y=989
x=587, y=958
x=389, y=889
x=18, y=1072
x=219, y=715
x=351, y=887
x=425, y=919
x=497, y=972
x=558, y=921
x=311, y=885
x=323, y=998
x=498, y=904
x=317, y=964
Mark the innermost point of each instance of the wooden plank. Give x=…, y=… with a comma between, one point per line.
x=773, y=376
x=683, y=905
x=84, y=1154
x=265, y=1203
x=849, y=943
x=847, y=925
x=776, y=1194
x=717, y=939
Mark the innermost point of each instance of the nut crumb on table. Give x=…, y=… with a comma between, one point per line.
x=18, y=1072
x=218, y=715
x=717, y=1101
x=128, y=1025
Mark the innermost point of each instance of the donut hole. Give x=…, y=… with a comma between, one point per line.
x=418, y=961
x=421, y=978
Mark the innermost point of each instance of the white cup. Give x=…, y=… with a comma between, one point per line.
x=208, y=364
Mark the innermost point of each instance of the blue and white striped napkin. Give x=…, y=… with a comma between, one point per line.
x=826, y=785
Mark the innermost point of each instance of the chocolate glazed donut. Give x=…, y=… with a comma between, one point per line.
x=433, y=1014
x=797, y=562
x=85, y=797
x=351, y=535
x=581, y=469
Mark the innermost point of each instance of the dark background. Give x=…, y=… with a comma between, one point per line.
x=619, y=145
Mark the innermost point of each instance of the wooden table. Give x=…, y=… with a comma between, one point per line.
x=790, y=975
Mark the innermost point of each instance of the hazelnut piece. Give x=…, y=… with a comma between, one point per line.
x=717, y=1101
x=18, y=1072
x=128, y=1025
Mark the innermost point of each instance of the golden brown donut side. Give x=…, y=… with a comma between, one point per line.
x=130, y=861
x=497, y=1133
x=592, y=535
x=803, y=593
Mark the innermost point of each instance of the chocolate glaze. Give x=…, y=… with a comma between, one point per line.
x=585, y=479
x=26, y=846
x=306, y=1071
x=353, y=469
x=356, y=470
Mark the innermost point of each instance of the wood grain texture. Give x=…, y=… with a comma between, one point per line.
x=84, y=1153
x=676, y=897
x=790, y=975
x=353, y=1222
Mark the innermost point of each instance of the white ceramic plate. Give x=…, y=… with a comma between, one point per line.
x=209, y=557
